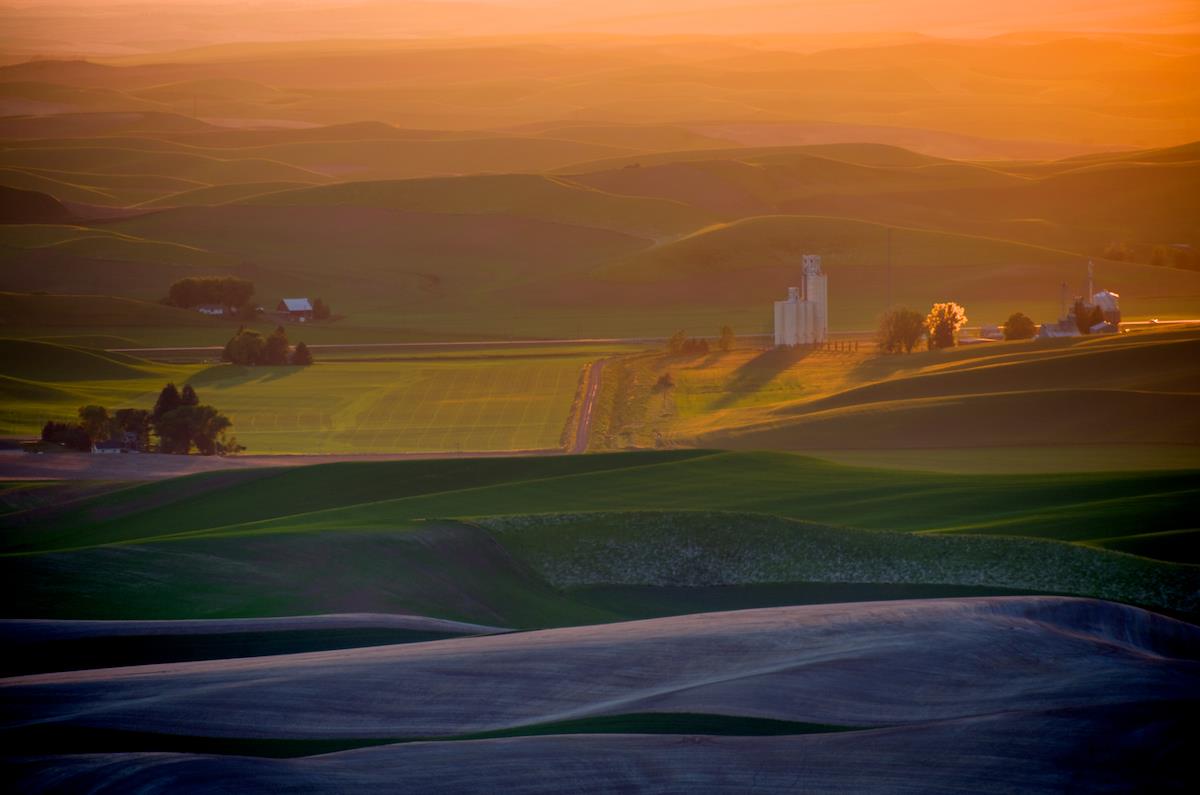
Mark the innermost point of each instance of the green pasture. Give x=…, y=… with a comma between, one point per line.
x=473, y=400
x=1076, y=507
x=560, y=540
x=423, y=406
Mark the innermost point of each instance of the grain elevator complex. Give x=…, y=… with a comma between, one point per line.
x=803, y=318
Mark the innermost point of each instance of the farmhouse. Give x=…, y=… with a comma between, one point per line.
x=804, y=317
x=1106, y=301
x=215, y=310
x=296, y=309
x=107, y=448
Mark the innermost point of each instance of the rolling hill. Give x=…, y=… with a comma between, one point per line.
x=732, y=697
x=1072, y=393
x=743, y=264
x=519, y=195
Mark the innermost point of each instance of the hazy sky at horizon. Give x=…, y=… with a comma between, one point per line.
x=947, y=17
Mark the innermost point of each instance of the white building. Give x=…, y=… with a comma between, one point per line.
x=804, y=317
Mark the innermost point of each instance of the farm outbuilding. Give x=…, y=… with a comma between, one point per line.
x=297, y=309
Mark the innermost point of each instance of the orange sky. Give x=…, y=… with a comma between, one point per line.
x=371, y=18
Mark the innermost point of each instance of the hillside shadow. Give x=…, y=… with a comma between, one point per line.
x=760, y=371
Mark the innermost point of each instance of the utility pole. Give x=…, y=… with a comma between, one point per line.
x=889, y=268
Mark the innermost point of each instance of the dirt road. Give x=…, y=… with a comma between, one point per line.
x=591, y=390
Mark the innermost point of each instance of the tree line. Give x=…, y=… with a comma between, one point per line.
x=229, y=291
x=177, y=423
x=680, y=344
x=1181, y=255
x=902, y=329
x=249, y=348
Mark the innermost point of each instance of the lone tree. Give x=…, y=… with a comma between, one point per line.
x=1019, y=327
x=900, y=329
x=320, y=309
x=944, y=322
x=726, y=340
x=301, y=355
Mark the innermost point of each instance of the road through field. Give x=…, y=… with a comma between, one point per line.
x=587, y=408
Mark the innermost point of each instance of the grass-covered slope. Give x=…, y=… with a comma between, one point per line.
x=361, y=537
x=20, y=311
x=1065, y=396
x=750, y=261
x=474, y=401
x=523, y=195
x=44, y=361
x=1134, y=389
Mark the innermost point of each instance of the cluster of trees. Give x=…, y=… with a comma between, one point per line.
x=1184, y=257
x=72, y=437
x=181, y=421
x=178, y=422
x=321, y=310
x=900, y=329
x=1177, y=256
x=250, y=348
x=681, y=344
x=196, y=291
x=1120, y=251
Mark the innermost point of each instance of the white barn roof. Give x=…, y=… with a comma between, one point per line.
x=297, y=304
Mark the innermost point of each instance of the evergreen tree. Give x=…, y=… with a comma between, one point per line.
x=168, y=400
x=189, y=397
x=302, y=356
